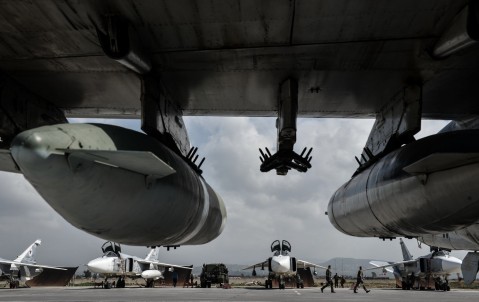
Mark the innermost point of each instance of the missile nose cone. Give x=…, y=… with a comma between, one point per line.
x=30, y=147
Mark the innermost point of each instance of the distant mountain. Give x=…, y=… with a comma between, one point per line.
x=350, y=266
x=342, y=266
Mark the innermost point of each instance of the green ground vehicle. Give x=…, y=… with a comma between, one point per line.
x=213, y=273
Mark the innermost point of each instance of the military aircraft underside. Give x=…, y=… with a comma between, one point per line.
x=399, y=61
x=422, y=272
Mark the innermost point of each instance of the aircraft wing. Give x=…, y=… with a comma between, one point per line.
x=19, y=264
x=163, y=264
x=306, y=264
x=259, y=265
x=383, y=264
x=228, y=58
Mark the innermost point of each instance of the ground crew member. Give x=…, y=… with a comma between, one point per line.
x=359, y=280
x=336, y=280
x=329, y=280
x=175, y=277
x=343, y=280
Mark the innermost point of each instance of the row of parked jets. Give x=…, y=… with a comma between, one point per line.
x=420, y=272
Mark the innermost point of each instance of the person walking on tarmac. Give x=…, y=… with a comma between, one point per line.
x=359, y=280
x=329, y=280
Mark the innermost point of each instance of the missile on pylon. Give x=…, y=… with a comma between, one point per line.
x=427, y=186
x=119, y=184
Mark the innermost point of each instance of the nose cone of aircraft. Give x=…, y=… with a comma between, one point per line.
x=280, y=264
x=451, y=265
x=101, y=265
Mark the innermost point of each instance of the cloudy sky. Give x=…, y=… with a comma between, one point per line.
x=261, y=207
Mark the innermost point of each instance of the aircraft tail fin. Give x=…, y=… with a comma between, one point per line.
x=153, y=254
x=470, y=267
x=405, y=252
x=28, y=256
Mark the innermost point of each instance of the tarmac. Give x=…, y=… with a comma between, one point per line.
x=234, y=294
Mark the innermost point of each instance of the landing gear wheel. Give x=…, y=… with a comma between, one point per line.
x=268, y=284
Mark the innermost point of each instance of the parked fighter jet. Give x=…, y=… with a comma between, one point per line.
x=463, y=239
x=114, y=263
x=281, y=265
x=24, y=267
x=426, y=271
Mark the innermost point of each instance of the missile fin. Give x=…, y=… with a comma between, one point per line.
x=142, y=162
x=441, y=161
x=7, y=163
x=469, y=267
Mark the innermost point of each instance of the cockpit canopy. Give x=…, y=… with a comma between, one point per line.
x=111, y=249
x=440, y=253
x=282, y=248
x=275, y=246
x=286, y=246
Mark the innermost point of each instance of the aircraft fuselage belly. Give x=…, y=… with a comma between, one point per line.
x=112, y=202
x=386, y=201
x=463, y=239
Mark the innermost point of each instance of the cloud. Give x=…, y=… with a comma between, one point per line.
x=261, y=207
